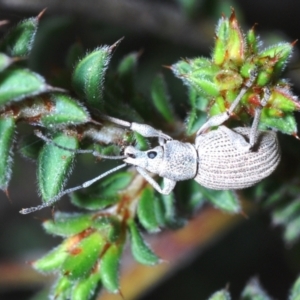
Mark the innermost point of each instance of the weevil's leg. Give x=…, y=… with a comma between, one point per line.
x=221, y=118
x=237, y=140
x=39, y=134
x=168, y=183
x=254, y=127
x=43, y=137
x=86, y=184
x=143, y=129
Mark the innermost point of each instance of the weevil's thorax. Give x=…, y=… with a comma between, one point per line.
x=180, y=161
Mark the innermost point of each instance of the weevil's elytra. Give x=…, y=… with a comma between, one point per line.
x=222, y=166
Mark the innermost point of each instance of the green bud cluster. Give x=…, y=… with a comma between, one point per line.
x=219, y=79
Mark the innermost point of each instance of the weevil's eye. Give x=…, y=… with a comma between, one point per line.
x=152, y=154
x=131, y=155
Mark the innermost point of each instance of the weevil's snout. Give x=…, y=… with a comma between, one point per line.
x=132, y=154
x=145, y=159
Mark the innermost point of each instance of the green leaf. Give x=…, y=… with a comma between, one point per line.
x=19, y=41
x=30, y=146
x=283, y=99
x=161, y=99
x=203, y=85
x=66, y=111
x=126, y=71
x=109, y=227
x=83, y=258
x=53, y=260
x=147, y=210
x=62, y=289
x=222, y=32
x=292, y=230
x=5, y=61
x=109, y=267
x=283, y=215
x=86, y=288
x=252, y=42
x=7, y=128
x=74, y=53
x=141, y=142
x=281, y=52
x=17, y=84
x=140, y=250
x=220, y=295
x=224, y=200
x=89, y=75
x=66, y=224
x=54, y=165
x=236, y=43
x=195, y=120
x=286, y=124
x=105, y=193
x=295, y=290
x=190, y=198
x=253, y=291
x=171, y=219
x=198, y=101
x=228, y=80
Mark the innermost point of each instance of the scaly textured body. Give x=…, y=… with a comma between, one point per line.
x=222, y=166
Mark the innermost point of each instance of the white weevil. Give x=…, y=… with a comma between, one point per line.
x=220, y=159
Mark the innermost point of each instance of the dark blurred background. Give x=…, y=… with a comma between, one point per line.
x=164, y=32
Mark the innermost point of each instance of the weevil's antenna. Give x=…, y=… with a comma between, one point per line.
x=86, y=184
x=39, y=134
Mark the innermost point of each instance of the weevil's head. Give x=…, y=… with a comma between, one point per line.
x=150, y=160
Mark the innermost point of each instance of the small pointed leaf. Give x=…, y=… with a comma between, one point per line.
x=292, y=230
x=140, y=250
x=224, y=200
x=126, y=71
x=109, y=227
x=280, y=54
x=161, y=99
x=85, y=289
x=286, y=124
x=89, y=74
x=105, y=193
x=146, y=210
x=19, y=41
x=66, y=224
x=53, y=260
x=66, y=111
x=5, y=61
x=83, y=257
x=219, y=52
x=295, y=290
x=220, y=295
x=7, y=128
x=253, y=290
x=62, y=289
x=109, y=267
x=283, y=215
x=30, y=146
x=74, y=53
x=17, y=84
x=54, y=165
x=252, y=42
